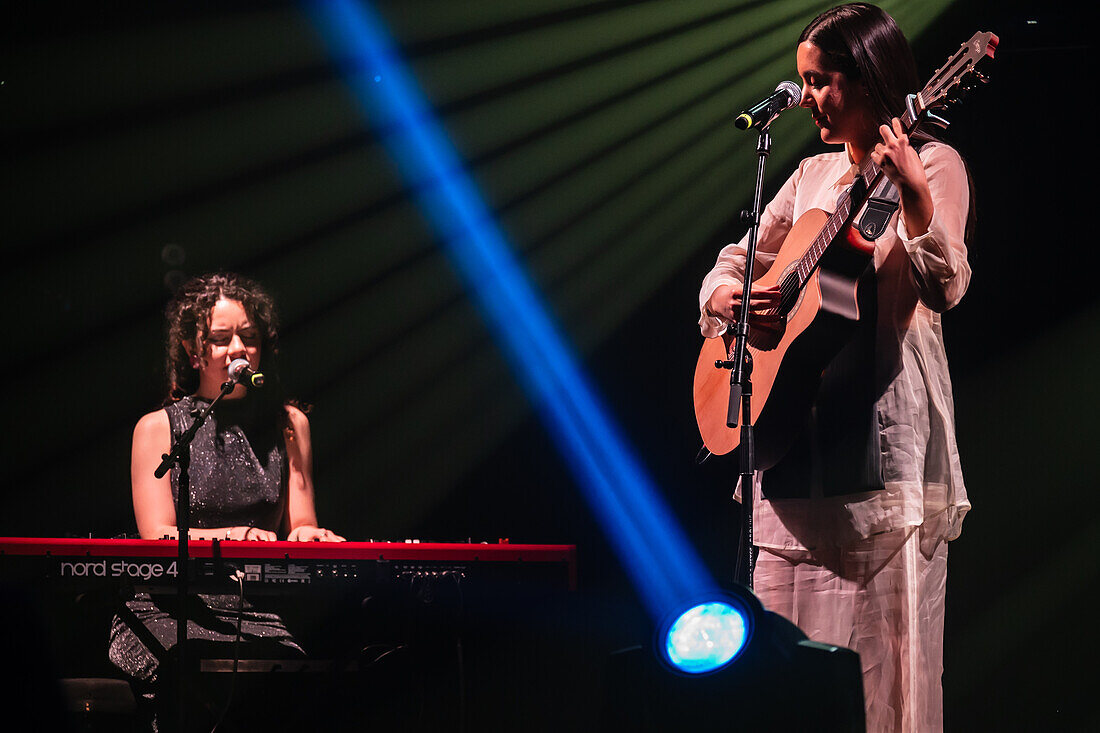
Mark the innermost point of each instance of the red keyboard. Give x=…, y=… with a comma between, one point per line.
x=153, y=562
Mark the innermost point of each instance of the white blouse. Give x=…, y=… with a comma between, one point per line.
x=917, y=279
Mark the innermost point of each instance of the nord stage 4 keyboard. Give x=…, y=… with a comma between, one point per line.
x=275, y=566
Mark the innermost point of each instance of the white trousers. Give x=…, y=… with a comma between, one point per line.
x=882, y=597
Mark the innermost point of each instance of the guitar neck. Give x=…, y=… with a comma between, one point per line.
x=867, y=178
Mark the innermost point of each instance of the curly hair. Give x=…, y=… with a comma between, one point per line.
x=188, y=316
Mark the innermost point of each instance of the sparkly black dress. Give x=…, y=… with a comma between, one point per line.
x=238, y=477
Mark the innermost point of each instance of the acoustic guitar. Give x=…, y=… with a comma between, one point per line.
x=819, y=270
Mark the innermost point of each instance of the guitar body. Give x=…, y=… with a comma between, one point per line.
x=786, y=370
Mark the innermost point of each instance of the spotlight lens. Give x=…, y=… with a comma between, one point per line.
x=706, y=637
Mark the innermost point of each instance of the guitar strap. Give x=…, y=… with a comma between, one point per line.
x=879, y=209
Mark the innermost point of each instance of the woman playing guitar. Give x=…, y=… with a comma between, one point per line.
x=852, y=521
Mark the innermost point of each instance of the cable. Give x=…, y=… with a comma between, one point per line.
x=459, y=656
x=239, y=577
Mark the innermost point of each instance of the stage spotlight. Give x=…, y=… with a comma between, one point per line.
x=706, y=635
x=723, y=661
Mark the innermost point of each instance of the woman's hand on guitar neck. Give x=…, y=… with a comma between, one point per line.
x=725, y=303
x=901, y=164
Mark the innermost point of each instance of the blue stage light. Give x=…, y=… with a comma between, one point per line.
x=708, y=635
x=642, y=530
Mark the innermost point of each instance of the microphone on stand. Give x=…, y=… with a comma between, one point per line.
x=786, y=95
x=240, y=371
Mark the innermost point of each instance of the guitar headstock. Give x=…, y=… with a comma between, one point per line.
x=956, y=77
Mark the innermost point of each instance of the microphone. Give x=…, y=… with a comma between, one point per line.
x=240, y=371
x=786, y=95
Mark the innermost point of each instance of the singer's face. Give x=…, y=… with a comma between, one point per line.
x=231, y=335
x=839, y=107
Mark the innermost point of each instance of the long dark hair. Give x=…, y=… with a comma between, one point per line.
x=188, y=316
x=864, y=43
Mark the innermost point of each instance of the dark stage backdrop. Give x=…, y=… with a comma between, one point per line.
x=148, y=142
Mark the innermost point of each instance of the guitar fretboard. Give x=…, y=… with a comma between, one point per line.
x=869, y=176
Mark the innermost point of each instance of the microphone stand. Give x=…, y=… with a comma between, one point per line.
x=180, y=454
x=740, y=366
